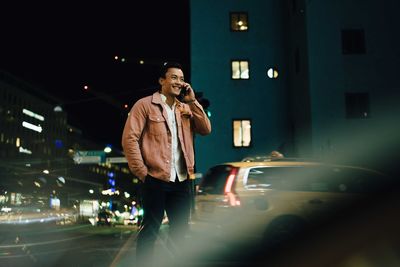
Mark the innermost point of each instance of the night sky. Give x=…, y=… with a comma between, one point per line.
x=60, y=47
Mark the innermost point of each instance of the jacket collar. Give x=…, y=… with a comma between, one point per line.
x=156, y=99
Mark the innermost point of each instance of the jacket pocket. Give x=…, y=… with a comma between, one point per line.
x=157, y=125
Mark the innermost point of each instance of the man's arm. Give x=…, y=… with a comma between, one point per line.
x=133, y=129
x=200, y=121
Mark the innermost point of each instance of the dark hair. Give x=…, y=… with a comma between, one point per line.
x=167, y=65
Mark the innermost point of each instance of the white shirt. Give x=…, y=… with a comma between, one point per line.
x=178, y=167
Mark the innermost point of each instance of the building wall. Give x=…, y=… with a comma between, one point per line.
x=332, y=73
x=260, y=99
x=295, y=22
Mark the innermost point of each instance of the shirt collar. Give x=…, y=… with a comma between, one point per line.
x=164, y=98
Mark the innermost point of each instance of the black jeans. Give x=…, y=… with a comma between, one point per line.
x=158, y=196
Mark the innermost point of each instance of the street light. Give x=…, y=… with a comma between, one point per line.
x=272, y=73
x=108, y=149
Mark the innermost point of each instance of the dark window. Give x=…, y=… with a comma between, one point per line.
x=239, y=21
x=293, y=4
x=355, y=180
x=357, y=105
x=297, y=60
x=353, y=41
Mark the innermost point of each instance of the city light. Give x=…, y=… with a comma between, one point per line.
x=110, y=192
x=24, y=150
x=58, y=109
x=108, y=149
x=36, y=128
x=32, y=114
x=272, y=73
x=61, y=179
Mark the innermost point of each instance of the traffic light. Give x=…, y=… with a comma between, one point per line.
x=111, y=180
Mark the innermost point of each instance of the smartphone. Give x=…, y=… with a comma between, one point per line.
x=184, y=91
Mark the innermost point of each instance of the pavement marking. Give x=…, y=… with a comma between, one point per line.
x=122, y=251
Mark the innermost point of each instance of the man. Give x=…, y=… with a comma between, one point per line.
x=158, y=143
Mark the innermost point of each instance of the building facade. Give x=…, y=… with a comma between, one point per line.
x=302, y=77
x=38, y=148
x=235, y=45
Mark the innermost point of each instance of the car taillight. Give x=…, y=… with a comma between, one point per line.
x=230, y=196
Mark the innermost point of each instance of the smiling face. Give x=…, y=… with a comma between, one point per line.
x=172, y=83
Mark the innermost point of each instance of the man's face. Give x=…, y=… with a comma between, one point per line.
x=172, y=83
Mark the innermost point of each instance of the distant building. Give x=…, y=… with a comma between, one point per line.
x=301, y=77
x=37, y=149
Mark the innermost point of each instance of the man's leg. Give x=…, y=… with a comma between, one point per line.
x=153, y=211
x=177, y=206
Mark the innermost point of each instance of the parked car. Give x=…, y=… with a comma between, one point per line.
x=104, y=218
x=273, y=199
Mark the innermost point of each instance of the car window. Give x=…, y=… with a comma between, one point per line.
x=284, y=178
x=213, y=182
x=315, y=179
x=354, y=180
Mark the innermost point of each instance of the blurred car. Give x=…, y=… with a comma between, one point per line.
x=128, y=218
x=104, y=218
x=273, y=199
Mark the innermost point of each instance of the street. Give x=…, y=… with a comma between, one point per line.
x=334, y=243
x=72, y=245
x=84, y=245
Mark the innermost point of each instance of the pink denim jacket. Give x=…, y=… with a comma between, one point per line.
x=146, y=139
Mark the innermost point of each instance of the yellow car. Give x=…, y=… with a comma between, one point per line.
x=271, y=199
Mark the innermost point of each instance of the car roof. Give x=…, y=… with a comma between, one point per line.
x=292, y=163
x=270, y=163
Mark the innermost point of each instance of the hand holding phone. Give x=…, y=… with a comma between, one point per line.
x=184, y=92
x=187, y=93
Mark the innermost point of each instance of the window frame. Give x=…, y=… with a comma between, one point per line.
x=233, y=132
x=248, y=67
x=238, y=13
x=352, y=45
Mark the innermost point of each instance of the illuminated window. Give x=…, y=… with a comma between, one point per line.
x=240, y=69
x=241, y=133
x=239, y=21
